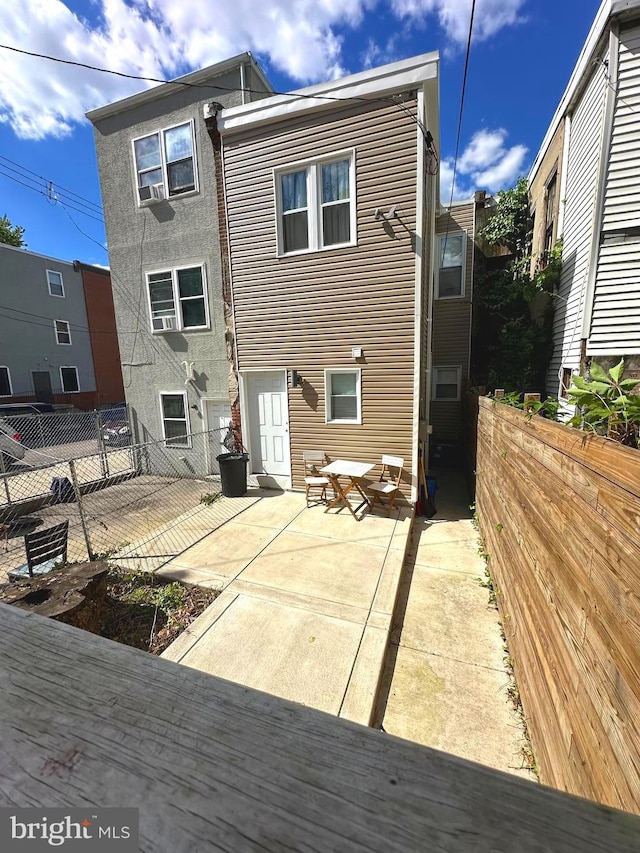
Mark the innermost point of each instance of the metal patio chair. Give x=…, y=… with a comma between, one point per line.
x=44, y=549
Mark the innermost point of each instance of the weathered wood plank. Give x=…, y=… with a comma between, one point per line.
x=216, y=766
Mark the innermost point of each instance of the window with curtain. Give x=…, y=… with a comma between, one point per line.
x=166, y=158
x=316, y=205
x=451, y=266
x=342, y=394
x=175, y=418
x=178, y=299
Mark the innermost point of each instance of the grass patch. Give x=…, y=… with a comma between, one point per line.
x=148, y=612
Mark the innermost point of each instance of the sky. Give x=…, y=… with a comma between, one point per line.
x=522, y=55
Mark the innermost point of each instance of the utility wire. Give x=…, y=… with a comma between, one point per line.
x=62, y=190
x=46, y=193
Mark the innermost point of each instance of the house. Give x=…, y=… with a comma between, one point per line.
x=331, y=195
x=161, y=182
x=58, y=341
x=584, y=188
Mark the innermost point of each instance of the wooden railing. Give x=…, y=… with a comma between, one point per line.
x=213, y=766
x=559, y=514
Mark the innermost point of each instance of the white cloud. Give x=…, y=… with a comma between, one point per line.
x=485, y=164
x=490, y=15
x=164, y=38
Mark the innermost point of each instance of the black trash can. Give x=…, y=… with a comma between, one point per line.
x=233, y=474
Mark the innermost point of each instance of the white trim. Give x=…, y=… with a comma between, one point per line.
x=10, y=394
x=177, y=301
x=419, y=332
x=163, y=161
x=285, y=480
x=395, y=77
x=57, y=334
x=186, y=419
x=439, y=238
x=68, y=367
x=206, y=426
x=563, y=174
x=329, y=371
x=55, y=272
x=314, y=201
x=434, y=383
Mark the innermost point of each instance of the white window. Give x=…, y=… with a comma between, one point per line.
x=166, y=160
x=63, y=332
x=316, y=204
x=343, y=395
x=69, y=380
x=175, y=418
x=451, y=266
x=56, y=285
x=5, y=382
x=178, y=299
x=446, y=383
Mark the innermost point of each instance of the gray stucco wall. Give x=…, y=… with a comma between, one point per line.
x=179, y=231
x=27, y=312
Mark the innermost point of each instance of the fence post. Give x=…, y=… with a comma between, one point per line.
x=76, y=488
x=529, y=399
x=4, y=478
x=499, y=393
x=104, y=463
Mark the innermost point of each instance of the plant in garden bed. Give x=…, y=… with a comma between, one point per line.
x=606, y=404
x=148, y=612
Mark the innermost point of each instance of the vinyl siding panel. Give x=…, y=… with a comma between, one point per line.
x=306, y=311
x=582, y=176
x=452, y=325
x=615, y=320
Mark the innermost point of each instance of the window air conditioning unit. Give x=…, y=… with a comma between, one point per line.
x=164, y=324
x=151, y=194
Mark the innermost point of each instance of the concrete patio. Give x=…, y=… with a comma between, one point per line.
x=307, y=600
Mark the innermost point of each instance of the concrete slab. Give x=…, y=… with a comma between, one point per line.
x=291, y=653
x=322, y=568
x=359, y=699
x=428, y=705
x=448, y=614
x=324, y=606
x=453, y=556
x=275, y=509
x=461, y=530
x=370, y=530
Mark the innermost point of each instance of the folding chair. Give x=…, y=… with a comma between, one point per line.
x=44, y=549
x=388, y=486
x=314, y=459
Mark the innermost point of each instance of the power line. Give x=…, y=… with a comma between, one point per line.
x=47, y=181
x=45, y=193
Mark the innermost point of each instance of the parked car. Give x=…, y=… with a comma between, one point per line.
x=115, y=426
x=8, y=410
x=10, y=446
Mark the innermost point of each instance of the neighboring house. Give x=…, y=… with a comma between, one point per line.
x=331, y=194
x=160, y=179
x=58, y=341
x=451, y=344
x=592, y=147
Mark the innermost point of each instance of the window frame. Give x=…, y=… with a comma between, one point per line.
x=549, y=217
x=9, y=382
x=177, y=301
x=313, y=167
x=69, y=367
x=186, y=419
x=567, y=374
x=55, y=272
x=163, y=162
x=328, y=373
x=463, y=274
x=57, y=333
x=434, y=383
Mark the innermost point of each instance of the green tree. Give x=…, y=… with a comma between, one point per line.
x=9, y=233
x=514, y=310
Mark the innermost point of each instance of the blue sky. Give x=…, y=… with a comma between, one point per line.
x=521, y=59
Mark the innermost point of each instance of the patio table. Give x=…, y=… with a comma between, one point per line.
x=354, y=471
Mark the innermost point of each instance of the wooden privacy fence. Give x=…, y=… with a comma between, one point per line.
x=559, y=514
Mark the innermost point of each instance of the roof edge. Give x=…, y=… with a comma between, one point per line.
x=164, y=89
x=407, y=73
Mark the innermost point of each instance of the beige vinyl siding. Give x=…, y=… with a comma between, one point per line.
x=307, y=311
x=615, y=319
x=452, y=324
x=581, y=183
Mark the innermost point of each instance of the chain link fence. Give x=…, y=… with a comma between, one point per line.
x=138, y=505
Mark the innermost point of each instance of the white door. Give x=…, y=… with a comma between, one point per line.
x=218, y=418
x=268, y=422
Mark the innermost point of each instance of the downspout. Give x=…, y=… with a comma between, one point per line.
x=605, y=152
x=418, y=331
x=210, y=119
x=562, y=189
